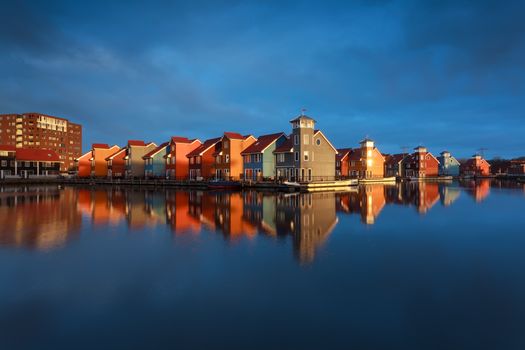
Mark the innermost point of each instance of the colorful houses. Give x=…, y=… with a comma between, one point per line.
x=177, y=162
x=228, y=159
x=420, y=164
x=258, y=158
x=284, y=160
x=93, y=163
x=448, y=165
x=394, y=164
x=366, y=162
x=117, y=163
x=342, y=162
x=475, y=166
x=314, y=155
x=155, y=161
x=134, y=164
x=202, y=160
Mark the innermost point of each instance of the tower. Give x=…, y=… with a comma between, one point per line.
x=303, y=129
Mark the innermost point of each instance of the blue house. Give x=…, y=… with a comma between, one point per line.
x=258, y=158
x=154, y=161
x=448, y=165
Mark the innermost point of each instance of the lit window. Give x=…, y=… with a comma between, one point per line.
x=306, y=156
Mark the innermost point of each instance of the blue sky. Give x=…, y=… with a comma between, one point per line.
x=446, y=74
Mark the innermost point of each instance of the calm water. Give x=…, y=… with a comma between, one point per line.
x=411, y=267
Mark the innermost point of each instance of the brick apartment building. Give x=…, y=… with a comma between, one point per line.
x=40, y=131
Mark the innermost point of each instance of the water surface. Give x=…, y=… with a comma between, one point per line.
x=415, y=266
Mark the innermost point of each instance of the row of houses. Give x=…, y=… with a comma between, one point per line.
x=26, y=162
x=305, y=154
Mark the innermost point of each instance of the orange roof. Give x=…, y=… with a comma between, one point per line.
x=121, y=150
x=262, y=143
x=42, y=155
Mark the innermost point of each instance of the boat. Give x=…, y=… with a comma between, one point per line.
x=378, y=180
x=322, y=185
x=430, y=179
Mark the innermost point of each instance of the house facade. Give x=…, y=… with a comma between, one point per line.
x=258, y=158
x=394, y=165
x=314, y=155
x=155, y=161
x=284, y=160
x=448, y=165
x=341, y=162
x=83, y=164
x=27, y=162
x=134, y=167
x=366, y=161
x=7, y=160
x=177, y=162
x=117, y=163
x=475, y=166
x=201, y=161
x=517, y=167
x=420, y=164
x=228, y=158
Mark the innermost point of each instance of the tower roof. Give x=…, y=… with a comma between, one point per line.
x=302, y=117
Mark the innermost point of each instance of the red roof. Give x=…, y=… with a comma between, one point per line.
x=7, y=148
x=262, y=142
x=155, y=150
x=42, y=155
x=342, y=152
x=234, y=135
x=207, y=144
x=118, y=151
x=355, y=154
x=100, y=145
x=394, y=158
x=180, y=139
x=286, y=146
x=136, y=143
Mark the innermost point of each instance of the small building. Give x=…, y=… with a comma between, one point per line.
x=366, y=162
x=177, y=162
x=284, y=161
x=342, y=162
x=228, y=158
x=475, y=166
x=258, y=158
x=448, y=165
x=155, y=161
x=117, y=163
x=201, y=160
x=394, y=164
x=517, y=167
x=135, y=150
x=7, y=160
x=420, y=164
x=314, y=155
x=30, y=162
x=93, y=163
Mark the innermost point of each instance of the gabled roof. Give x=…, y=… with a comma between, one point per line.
x=326, y=138
x=395, y=158
x=136, y=143
x=42, y=155
x=88, y=153
x=156, y=150
x=262, y=143
x=302, y=116
x=355, y=154
x=285, y=147
x=119, y=152
x=342, y=153
x=234, y=135
x=100, y=145
x=180, y=139
x=199, y=151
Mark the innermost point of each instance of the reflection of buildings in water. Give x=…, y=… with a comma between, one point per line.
x=422, y=195
x=102, y=206
x=478, y=189
x=229, y=216
x=368, y=202
x=136, y=215
x=449, y=194
x=38, y=217
x=202, y=208
x=259, y=210
x=310, y=218
x=427, y=196
x=178, y=211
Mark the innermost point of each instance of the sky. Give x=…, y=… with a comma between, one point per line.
x=445, y=74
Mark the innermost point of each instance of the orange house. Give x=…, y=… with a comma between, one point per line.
x=475, y=166
x=93, y=162
x=228, y=158
x=83, y=164
x=420, y=164
x=366, y=161
x=177, y=164
x=201, y=160
x=341, y=161
x=117, y=163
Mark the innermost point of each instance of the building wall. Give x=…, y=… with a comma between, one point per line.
x=135, y=167
x=100, y=165
x=118, y=166
x=33, y=130
x=84, y=165
x=448, y=166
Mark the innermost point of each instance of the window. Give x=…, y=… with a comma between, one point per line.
x=306, y=139
x=280, y=157
x=218, y=159
x=296, y=156
x=4, y=163
x=27, y=164
x=306, y=156
x=198, y=160
x=192, y=160
x=227, y=158
x=226, y=144
x=296, y=139
x=318, y=142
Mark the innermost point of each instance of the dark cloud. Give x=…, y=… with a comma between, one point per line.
x=446, y=73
